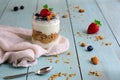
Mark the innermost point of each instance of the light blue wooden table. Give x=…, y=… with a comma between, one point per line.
x=107, y=11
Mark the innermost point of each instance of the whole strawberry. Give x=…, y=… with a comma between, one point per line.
x=45, y=11
x=94, y=27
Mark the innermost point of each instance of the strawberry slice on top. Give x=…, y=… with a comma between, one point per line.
x=94, y=27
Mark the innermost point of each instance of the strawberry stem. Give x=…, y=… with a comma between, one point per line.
x=45, y=6
x=97, y=22
x=50, y=9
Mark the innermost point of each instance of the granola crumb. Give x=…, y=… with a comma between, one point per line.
x=67, y=78
x=69, y=53
x=57, y=55
x=94, y=73
x=79, y=34
x=83, y=44
x=64, y=74
x=60, y=74
x=91, y=72
x=94, y=60
x=77, y=7
x=108, y=44
x=71, y=75
x=50, y=60
x=97, y=73
x=99, y=38
x=67, y=62
x=56, y=61
x=81, y=10
x=65, y=16
x=49, y=78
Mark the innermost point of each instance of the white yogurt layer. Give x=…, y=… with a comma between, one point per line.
x=46, y=27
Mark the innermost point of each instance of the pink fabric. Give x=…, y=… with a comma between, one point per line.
x=17, y=49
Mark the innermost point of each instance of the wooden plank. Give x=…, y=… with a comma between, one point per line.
x=3, y=4
x=109, y=63
x=6, y=70
x=108, y=60
x=21, y=18
x=67, y=63
x=111, y=9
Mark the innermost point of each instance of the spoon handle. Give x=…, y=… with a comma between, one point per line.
x=17, y=75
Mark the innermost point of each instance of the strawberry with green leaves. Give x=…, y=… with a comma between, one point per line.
x=94, y=27
x=45, y=11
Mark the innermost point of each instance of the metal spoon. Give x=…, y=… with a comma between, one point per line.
x=42, y=71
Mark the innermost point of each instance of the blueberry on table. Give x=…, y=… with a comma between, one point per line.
x=90, y=48
x=15, y=8
x=21, y=7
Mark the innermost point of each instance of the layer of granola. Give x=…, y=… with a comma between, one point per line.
x=43, y=38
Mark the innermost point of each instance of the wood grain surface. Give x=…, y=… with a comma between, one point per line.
x=75, y=63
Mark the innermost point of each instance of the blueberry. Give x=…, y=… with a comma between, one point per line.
x=15, y=8
x=90, y=48
x=37, y=14
x=21, y=7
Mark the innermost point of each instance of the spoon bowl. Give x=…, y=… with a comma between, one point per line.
x=44, y=70
x=41, y=71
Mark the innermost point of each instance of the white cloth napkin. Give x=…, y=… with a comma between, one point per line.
x=17, y=49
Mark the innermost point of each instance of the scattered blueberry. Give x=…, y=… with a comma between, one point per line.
x=90, y=48
x=15, y=8
x=21, y=7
